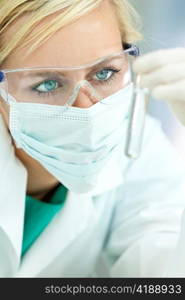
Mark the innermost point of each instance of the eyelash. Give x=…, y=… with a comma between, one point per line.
x=115, y=71
x=99, y=82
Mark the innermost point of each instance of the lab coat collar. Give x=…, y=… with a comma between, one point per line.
x=77, y=213
x=13, y=177
x=74, y=218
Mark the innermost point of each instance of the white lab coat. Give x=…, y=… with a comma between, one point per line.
x=128, y=229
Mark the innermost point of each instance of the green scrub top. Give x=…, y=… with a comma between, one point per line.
x=38, y=214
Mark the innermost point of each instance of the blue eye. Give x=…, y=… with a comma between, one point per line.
x=47, y=86
x=104, y=74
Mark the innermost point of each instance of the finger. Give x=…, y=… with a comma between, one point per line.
x=171, y=92
x=167, y=74
x=155, y=60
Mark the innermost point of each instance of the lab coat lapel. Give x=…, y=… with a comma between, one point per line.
x=13, y=177
x=67, y=225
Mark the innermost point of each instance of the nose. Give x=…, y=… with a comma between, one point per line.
x=85, y=98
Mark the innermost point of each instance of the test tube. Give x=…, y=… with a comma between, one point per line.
x=136, y=124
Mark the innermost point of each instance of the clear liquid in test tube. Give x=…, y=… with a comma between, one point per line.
x=136, y=124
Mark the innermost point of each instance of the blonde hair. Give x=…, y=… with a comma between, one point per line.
x=71, y=10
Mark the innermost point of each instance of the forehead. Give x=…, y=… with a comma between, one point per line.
x=89, y=38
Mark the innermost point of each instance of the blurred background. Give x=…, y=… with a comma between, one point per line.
x=163, y=26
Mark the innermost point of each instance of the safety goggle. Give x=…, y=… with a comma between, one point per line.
x=62, y=85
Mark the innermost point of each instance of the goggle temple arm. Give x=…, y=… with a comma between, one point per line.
x=131, y=49
x=2, y=76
